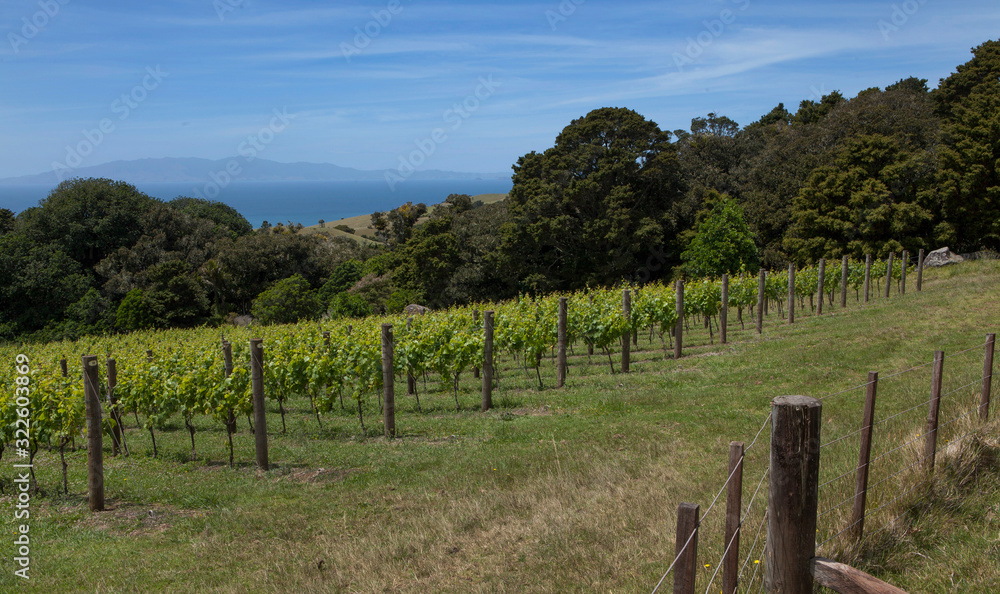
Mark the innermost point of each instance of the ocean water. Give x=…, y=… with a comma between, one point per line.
x=297, y=202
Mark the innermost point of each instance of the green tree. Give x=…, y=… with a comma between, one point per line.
x=459, y=203
x=134, y=312
x=287, y=301
x=589, y=209
x=88, y=218
x=219, y=213
x=348, y=305
x=396, y=226
x=343, y=278
x=969, y=166
x=872, y=200
x=6, y=220
x=722, y=243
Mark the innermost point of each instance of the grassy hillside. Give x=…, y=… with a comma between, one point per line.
x=362, y=224
x=572, y=489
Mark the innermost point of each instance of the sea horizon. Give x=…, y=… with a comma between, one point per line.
x=304, y=202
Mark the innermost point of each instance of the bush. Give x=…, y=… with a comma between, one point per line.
x=287, y=301
x=348, y=305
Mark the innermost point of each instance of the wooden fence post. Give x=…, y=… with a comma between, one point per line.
x=920, y=270
x=686, y=549
x=864, y=457
x=64, y=366
x=388, y=383
x=590, y=345
x=411, y=380
x=734, y=507
x=627, y=336
x=487, y=361
x=475, y=322
x=904, y=262
x=561, y=343
x=791, y=293
x=888, y=276
x=724, y=309
x=679, y=329
x=844, y=267
x=95, y=442
x=794, y=493
x=227, y=366
x=984, y=401
x=761, y=289
x=819, y=288
x=868, y=276
x=930, y=441
x=117, y=446
x=259, y=413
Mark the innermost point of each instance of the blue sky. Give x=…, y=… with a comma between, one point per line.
x=476, y=85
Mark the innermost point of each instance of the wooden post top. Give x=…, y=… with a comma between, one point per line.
x=803, y=401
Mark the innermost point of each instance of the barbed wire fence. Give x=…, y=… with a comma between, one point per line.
x=905, y=430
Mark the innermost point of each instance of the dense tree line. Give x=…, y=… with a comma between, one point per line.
x=615, y=198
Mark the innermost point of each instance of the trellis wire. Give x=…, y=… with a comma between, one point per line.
x=709, y=510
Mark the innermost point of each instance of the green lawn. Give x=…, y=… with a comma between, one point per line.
x=555, y=490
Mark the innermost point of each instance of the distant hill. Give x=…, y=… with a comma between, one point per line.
x=175, y=170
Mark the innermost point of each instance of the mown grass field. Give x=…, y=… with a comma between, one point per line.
x=555, y=490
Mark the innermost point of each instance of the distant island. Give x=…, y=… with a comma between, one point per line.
x=184, y=170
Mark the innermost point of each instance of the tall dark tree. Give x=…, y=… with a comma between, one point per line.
x=872, y=200
x=88, y=218
x=587, y=210
x=969, y=178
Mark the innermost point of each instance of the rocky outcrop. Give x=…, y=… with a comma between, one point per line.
x=941, y=257
x=415, y=310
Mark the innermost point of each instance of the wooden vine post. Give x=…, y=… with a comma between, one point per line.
x=388, y=383
x=679, y=329
x=819, y=287
x=791, y=293
x=259, y=413
x=227, y=365
x=794, y=494
x=561, y=343
x=724, y=309
x=868, y=276
x=844, y=268
x=475, y=322
x=686, y=549
x=64, y=366
x=734, y=506
x=487, y=403
x=590, y=345
x=984, y=401
x=411, y=380
x=930, y=432
x=920, y=270
x=864, y=457
x=117, y=443
x=761, y=289
x=888, y=275
x=904, y=263
x=95, y=441
x=627, y=335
